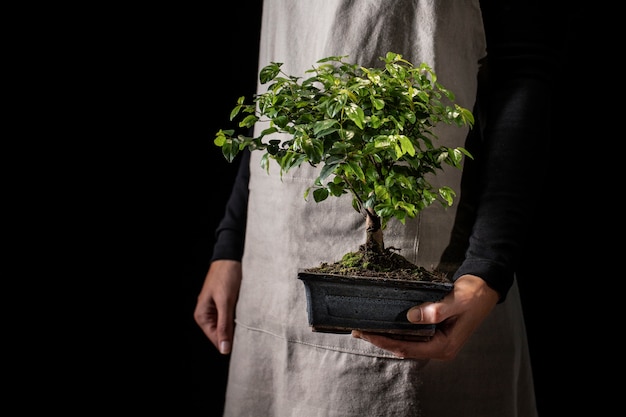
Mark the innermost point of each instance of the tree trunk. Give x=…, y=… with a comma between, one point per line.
x=374, y=233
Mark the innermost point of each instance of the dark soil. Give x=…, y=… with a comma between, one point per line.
x=386, y=264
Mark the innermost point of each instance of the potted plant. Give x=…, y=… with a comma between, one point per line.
x=370, y=131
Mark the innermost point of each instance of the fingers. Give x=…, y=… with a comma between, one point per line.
x=433, y=349
x=414, y=315
x=224, y=331
x=225, y=347
x=215, y=309
x=428, y=313
x=205, y=316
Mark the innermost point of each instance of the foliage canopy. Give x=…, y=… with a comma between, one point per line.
x=369, y=129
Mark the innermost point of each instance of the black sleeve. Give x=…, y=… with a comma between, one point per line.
x=231, y=231
x=513, y=129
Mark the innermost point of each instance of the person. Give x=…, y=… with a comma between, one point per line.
x=493, y=57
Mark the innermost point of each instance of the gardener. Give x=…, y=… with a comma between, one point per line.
x=477, y=364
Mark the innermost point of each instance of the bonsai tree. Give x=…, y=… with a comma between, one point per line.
x=369, y=129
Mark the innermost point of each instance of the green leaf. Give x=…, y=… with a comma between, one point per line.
x=230, y=151
x=324, y=127
x=313, y=149
x=406, y=145
x=447, y=194
x=248, y=121
x=356, y=170
x=355, y=113
x=220, y=138
x=235, y=112
x=378, y=103
x=269, y=72
x=320, y=194
x=281, y=121
x=337, y=189
x=327, y=169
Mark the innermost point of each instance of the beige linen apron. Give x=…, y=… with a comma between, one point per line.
x=278, y=366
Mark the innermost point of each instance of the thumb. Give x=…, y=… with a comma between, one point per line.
x=414, y=315
x=426, y=313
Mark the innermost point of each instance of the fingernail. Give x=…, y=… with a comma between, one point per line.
x=224, y=347
x=414, y=315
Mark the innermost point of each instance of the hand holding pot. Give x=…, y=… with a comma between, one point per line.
x=460, y=313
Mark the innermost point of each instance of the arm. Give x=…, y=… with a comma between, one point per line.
x=513, y=110
x=215, y=308
x=230, y=232
x=512, y=140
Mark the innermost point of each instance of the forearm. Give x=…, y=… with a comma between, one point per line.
x=230, y=233
x=514, y=112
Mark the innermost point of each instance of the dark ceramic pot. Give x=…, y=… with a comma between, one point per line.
x=339, y=304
